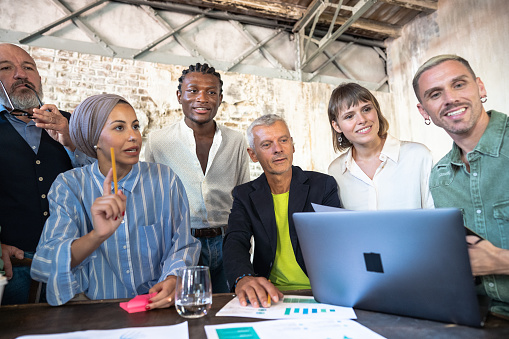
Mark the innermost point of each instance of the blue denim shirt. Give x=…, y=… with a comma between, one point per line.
x=482, y=194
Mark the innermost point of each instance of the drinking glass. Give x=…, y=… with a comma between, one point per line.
x=193, y=293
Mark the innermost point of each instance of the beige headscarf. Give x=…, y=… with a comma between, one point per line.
x=88, y=119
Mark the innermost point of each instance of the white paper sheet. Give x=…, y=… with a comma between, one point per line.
x=291, y=307
x=323, y=208
x=294, y=329
x=179, y=331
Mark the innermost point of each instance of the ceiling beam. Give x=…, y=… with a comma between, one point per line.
x=250, y=20
x=290, y=12
x=192, y=50
x=270, y=9
x=252, y=50
x=171, y=32
x=92, y=35
x=392, y=31
x=261, y=7
x=360, y=8
x=184, y=7
x=316, y=10
x=331, y=59
x=72, y=15
x=418, y=5
x=265, y=53
x=310, y=12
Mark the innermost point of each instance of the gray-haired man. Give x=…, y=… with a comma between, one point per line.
x=263, y=209
x=36, y=148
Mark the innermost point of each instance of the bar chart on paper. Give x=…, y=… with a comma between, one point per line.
x=237, y=332
x=309, y=306
x=291, y=307
x=292, y=328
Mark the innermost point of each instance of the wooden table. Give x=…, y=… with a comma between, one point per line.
x=106, y=314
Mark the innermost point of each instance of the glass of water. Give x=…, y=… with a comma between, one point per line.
x=193, y=293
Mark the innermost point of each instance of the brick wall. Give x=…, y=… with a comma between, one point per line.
x=70, y=77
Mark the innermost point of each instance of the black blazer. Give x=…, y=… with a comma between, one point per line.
x=252, y=214
x=25, y=179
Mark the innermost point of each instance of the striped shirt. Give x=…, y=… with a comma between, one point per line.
x=152, y=241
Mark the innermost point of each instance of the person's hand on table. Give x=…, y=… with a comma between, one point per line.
x=255, y=290
x=165, y=293
x=7, y=253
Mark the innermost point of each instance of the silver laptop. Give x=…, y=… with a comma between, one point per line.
x=406, y=262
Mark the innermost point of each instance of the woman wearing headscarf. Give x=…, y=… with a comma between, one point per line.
x=377, y=171
x=113, y=245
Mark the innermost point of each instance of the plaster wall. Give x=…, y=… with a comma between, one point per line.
x=475, y=30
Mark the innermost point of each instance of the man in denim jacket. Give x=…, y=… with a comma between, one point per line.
x=473, y=175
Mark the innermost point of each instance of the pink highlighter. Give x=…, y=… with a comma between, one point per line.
x=138, y=303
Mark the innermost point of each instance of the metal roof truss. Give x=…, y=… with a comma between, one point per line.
x=308, y=46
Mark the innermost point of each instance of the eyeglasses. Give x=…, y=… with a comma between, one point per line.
x=19, y=112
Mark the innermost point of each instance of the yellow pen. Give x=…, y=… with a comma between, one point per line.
x=268, y=298
x=114, y=168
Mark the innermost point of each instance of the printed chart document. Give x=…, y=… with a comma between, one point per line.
x=179, y=331
x=293, y=328
x=291, y=307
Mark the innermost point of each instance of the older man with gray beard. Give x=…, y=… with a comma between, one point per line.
x=36, y=147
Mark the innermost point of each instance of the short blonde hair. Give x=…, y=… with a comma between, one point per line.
x=435, y=61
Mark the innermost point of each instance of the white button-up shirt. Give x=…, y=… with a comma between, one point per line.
x=209, y=194
x=400, y=182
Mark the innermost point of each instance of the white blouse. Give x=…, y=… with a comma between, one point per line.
x=400, y=182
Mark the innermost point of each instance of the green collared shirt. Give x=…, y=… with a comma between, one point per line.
x=482, y=194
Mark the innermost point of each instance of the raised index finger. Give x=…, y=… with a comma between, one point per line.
x=107, y=183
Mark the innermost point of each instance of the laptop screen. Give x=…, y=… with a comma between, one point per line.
x=406, y=262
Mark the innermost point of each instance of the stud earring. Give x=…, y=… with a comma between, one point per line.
x=95, y=147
